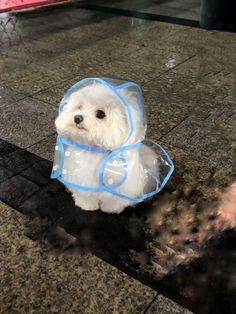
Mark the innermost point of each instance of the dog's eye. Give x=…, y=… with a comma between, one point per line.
x=100, y=114
x=80, y=107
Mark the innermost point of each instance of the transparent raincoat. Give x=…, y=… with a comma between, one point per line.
x=114, y=170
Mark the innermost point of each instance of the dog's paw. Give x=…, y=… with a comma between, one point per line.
x=114, y=207
x=86, y=204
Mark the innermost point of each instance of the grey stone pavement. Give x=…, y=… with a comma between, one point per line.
x=188, y=77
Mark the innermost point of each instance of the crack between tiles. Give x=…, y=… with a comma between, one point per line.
x=169, y=70
x=115, y=59
x=151, y=303
x=43, y=139
x=163, y=136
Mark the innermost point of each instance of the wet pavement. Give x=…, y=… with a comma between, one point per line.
x=182, y=244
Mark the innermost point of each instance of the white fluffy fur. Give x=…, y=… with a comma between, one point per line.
x=108, y=133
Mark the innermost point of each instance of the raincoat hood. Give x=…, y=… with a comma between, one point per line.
x=129, y=96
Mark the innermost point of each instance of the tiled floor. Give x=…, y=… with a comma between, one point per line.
x=182, y=245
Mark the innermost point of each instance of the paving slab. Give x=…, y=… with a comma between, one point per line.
x=164, y=305
x=81, y=34
x=8, y=96
x=34, y=25
x=44, y=49
x=40, y=52
x=5, y=174
x=94, y=54
x=18, y=160
x=27, y=121
x=43, y=170
x=28, y=78
x=48, y=71
x=6, y=148
x=131, y=70
x=206, y=40
x=44, y=148
x=193, y=41
x=163, y=37
x=209, y=135
x=53, y=95
x=168, y=100
x=209, y=45
x=158, y=60
x=152, y=31
x=224, y=85
x=35, y=280
x=136, y=72
x=22, y=30
x=200, y=67
x=172, y=98
x=20, y=188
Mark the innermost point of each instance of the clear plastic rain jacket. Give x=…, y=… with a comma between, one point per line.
x=113, y=168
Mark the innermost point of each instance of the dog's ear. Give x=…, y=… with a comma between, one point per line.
x=134, y=99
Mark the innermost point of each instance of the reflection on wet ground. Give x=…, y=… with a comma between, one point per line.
x=178, y=228
x=182, y=245
x=9, y=33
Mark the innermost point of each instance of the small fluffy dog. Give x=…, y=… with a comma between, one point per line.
x=94, y=116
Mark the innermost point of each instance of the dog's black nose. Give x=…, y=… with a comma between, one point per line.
x=78, y=118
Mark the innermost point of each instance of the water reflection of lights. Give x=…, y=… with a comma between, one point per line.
x=182, y=228
x=227, y=207
x=171, y=63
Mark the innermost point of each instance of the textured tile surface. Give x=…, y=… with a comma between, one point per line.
x=44, y=148
x=16, y=189
x=5, y=174
x=28, y=78
x=137, y=72
x=26, y=122
x=53, y=95
x=18, y=160
x=6, y=148
x=34, y=280
x=200, y=67
x=9, y=96
x=164, y=305
x=42, y=170
x=158, y=61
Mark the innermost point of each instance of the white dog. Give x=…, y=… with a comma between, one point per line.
x=93, y=116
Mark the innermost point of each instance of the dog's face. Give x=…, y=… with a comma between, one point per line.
x=94, y=116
